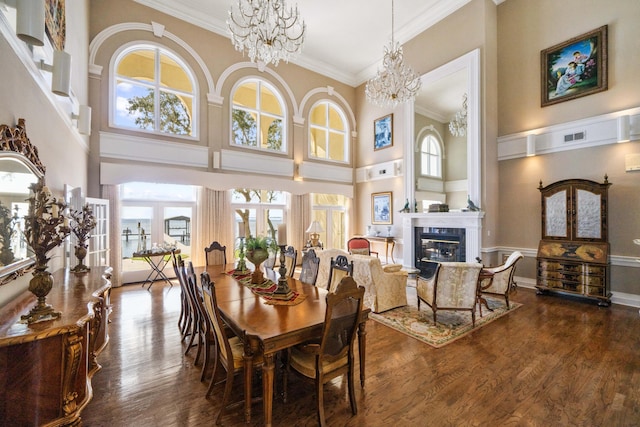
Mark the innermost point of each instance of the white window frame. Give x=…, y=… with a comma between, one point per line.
x=425, y=169
x=328, y=129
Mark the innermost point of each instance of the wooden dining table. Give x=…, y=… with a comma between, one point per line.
x=269, y=328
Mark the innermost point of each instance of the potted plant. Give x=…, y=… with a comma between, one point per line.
x=257, y=249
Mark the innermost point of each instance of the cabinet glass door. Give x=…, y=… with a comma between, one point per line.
x=555, y=211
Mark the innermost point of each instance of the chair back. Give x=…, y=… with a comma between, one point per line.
x=341, y=320
x=457, y=284
x=359, y=246
x=503, y=275
x=215, y=254
x=310, y=267
x=195, y=295
x=215, y=319
x=290, y=259
x=340, y=267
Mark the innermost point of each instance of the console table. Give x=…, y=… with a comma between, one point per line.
x=48, y=366
x=388, y=240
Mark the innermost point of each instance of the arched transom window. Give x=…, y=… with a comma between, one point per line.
x=258, y=117
x=154, y=92
x=431, y=157
x=328, y=132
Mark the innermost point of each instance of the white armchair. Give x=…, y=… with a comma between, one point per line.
x=383, y=290
x=502, y=280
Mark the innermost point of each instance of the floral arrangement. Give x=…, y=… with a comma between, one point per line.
x=82, y=222
x=45, y=226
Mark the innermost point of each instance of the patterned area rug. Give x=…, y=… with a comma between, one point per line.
x=451, y=325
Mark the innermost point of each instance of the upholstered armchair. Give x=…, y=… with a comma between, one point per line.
x=502, y=280
x=383, y=290
x=454, y=286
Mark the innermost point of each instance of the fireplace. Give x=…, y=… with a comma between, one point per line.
x=438, y=244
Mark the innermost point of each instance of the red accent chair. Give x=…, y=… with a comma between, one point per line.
x=360, y=246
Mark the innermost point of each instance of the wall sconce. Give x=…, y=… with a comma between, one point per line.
x=624, y=131
x=61, y=72
x=296, y=172
x=30, y=21
x=531, y=145
x=84, y=119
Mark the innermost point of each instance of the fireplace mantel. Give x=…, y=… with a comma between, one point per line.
x=470, y=221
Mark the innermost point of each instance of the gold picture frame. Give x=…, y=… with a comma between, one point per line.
x=382, y=208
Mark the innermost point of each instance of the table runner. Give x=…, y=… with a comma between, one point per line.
x=266, y=289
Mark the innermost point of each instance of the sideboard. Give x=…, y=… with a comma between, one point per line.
x=46, y=367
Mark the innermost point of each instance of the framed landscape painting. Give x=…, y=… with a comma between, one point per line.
x=383, y=132
x=575, y=68
x=381, y=204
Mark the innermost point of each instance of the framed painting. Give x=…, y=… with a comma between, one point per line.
x=381, y=205
x=575, y=68
x=383, y=132
x=55, y=23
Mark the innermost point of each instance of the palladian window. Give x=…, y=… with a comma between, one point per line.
x=328, y=132
x=257, y=117
x=154, y=92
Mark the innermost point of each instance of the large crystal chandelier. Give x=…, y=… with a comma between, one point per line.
x=458, y=126
x=396, y=82
x=267, y=30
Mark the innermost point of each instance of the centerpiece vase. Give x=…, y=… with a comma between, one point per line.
x=40, y=285
x=257, y=257
x=81, y=253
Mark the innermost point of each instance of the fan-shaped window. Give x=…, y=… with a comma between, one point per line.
x=154, y=92
x=257, y=117
x=328, y=132
x=431, y=157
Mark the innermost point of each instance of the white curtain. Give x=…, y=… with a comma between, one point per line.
x=214, y=221
x=298, y=220
x=112, y=193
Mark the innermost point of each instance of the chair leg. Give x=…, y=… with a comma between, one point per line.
x=473, y=317
x=506, y=299
x=320, y=400
x=213, y=374
x=207, y=356
x=352, y=390
x=227, y=393
x=285, y=375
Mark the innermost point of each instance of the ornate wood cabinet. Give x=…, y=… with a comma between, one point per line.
x=46, y=367
x=573, y=255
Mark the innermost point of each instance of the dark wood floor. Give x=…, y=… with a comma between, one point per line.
x=553, y=362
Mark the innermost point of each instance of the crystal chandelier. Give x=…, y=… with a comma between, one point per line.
x=267, y=30
x=396, y=82
x=458, y=126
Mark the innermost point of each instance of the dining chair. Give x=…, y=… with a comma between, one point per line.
x=340, y=267
x=184, y=321
x=230, y=349
x=333, y=354
x=360, y=246
x=310, y=267
x=206, y=340
x=454, y=286
x=215, y=254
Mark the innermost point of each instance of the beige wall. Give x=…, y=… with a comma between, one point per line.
x=61, y=149
x=525, y=28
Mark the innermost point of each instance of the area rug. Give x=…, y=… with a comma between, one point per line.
x=450, y=326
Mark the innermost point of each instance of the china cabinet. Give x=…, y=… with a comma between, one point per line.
x=573, y=255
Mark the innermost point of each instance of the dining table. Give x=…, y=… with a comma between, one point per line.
x=268, y=327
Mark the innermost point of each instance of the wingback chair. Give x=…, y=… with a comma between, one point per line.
x=502, y=280
x=383, y=290
x=454, y=286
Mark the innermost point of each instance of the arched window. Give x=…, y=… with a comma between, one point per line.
x=154, y=92
x=431, y=157
x=258, y=117
x=328, y=132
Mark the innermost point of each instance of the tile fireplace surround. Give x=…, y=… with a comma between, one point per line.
x=470, y=221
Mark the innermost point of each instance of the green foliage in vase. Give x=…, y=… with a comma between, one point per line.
x=260, y=242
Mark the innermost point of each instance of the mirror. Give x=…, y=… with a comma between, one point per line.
x=19, y=168
x=440, y=98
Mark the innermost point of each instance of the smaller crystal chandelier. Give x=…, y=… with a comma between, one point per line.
x=396, y=82
x=267, y=30
x=458, y=126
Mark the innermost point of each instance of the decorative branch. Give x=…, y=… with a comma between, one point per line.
x=82, y=222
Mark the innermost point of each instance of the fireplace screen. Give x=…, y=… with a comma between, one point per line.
x=434, y=245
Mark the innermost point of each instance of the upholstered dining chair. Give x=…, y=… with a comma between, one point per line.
x=502, y=281
x=185, y=319
x=333, y=354
x=290, y=259
x=310, y=267
x=360, y=246
x=206, y=341
x=454, y=286
x=215, y=254
x=230, y=349
x=339, y=267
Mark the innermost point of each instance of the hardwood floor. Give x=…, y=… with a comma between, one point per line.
x=553, y=362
